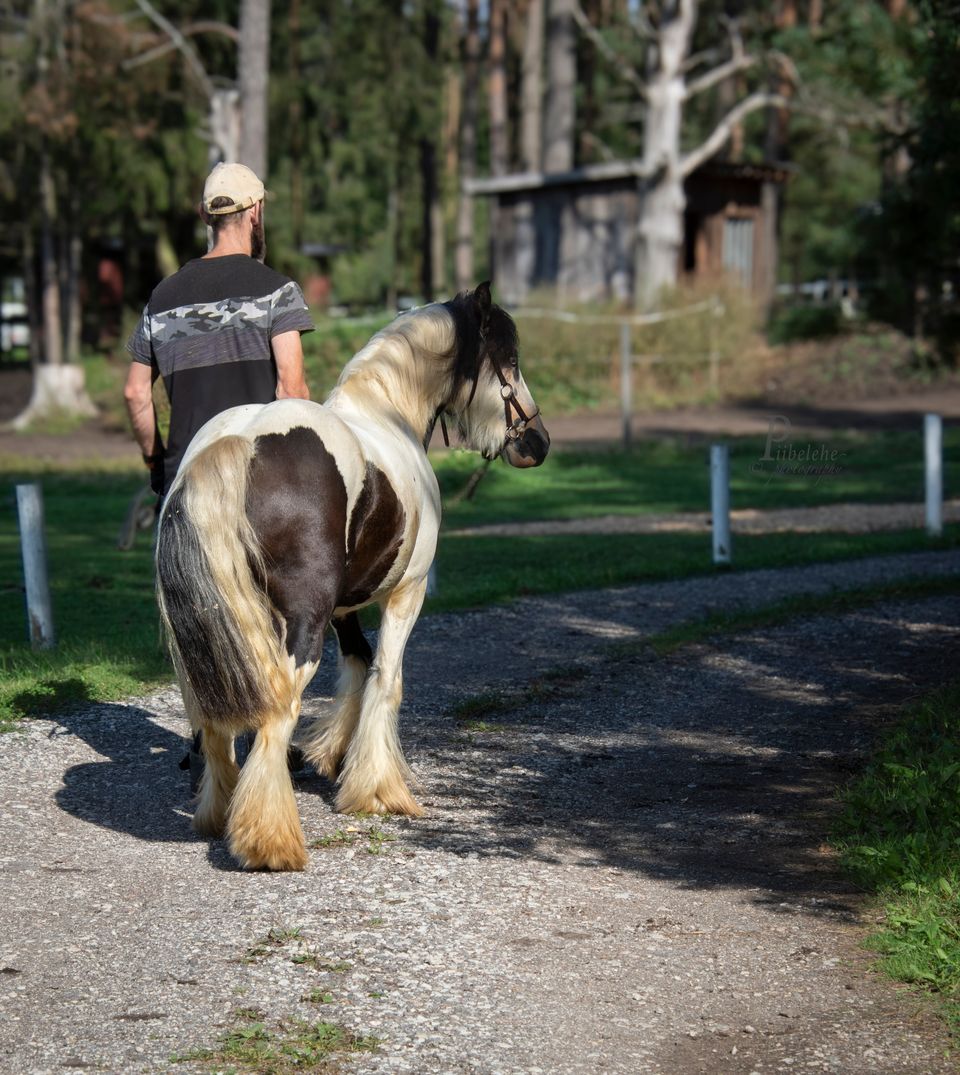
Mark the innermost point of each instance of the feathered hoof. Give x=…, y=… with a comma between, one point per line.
x=326, y=762
x=279, y=854
x=387, y=799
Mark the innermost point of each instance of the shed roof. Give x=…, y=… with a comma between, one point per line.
x=765, y=172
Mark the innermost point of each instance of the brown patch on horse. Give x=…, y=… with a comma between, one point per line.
x=297, y=505
x=376, y=534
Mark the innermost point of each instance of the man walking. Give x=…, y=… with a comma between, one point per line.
x=223, y=331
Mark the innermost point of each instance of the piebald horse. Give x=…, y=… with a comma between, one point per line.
x=290, y=516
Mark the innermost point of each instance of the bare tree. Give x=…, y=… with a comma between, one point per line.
x=672, y=78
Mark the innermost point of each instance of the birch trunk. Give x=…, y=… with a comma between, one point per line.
x=254, y=68
x=662, y=201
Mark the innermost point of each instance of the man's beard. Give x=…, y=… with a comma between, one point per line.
x=258, y=241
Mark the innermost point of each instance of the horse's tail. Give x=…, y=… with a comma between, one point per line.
x=224, y=635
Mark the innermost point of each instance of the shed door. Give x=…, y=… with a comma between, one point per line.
x=738, y=248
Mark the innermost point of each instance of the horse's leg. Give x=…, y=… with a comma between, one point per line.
x=218, y=781
x=219, y=771
x=328, y=738
x=374, y=775
x=263, y=825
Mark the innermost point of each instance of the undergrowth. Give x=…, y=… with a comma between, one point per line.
x=899, y=836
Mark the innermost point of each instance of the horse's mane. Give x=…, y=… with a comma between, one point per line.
x=452, y=338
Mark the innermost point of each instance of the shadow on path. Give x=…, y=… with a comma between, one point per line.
x=715, y=767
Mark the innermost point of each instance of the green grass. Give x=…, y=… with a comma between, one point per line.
x=103, y=602
x=899, y=836
x=476, y=571
x=673, y=474
x=295, y=1046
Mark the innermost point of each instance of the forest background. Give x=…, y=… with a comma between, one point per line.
x=373, y=117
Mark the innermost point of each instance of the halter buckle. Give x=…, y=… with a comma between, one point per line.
x=507, y=391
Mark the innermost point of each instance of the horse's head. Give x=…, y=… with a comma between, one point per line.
x=494, y=408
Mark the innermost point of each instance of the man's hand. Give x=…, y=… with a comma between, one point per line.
x=288, y=353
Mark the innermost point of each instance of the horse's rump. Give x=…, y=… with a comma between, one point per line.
x=224, y=636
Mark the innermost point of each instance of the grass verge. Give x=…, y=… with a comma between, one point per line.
x=672, y=474
x=899, y=836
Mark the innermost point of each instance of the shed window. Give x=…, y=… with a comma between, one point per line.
x=738, y=248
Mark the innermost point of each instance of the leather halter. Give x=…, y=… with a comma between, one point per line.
x=515, y=428
x=508, y=394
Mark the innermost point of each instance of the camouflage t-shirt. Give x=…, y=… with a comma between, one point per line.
x=206, y=331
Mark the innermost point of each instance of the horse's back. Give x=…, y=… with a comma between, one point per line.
x=275, y=421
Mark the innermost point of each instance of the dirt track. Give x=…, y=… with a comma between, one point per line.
x=623, y=870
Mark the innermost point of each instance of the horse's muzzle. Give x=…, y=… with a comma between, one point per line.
x=530, y=449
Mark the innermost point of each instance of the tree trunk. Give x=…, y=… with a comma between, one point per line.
x=428, y=164
x=58, y=387
x=296, y=130
x=531, y=107
x=224, y=126
x=254, y=71
x=468, y=147
x=74, y=308
x=776, y=144
x=49, y=274
x=560, y=118
x=662, y=201
x=586, y=76
x=428, y=202
x=497, y=89
x=32, y=297
x=164, y=251
x=393, y=235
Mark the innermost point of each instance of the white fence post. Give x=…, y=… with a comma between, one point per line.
x=432, y=580
x=626, y=383
x=933, y=472
x=33, y=544
x=720, y=502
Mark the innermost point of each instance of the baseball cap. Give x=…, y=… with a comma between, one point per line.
x=236, y=182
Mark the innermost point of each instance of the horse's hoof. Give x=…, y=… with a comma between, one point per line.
x=397, y=801
x=288, y=857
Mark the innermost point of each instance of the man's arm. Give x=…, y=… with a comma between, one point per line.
x=138, y=396
x=288, y=353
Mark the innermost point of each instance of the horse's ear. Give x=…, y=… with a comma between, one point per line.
x=483, y=301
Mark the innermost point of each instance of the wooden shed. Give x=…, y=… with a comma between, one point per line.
x=575, y=232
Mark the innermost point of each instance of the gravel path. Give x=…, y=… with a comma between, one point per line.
x=624, y=871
